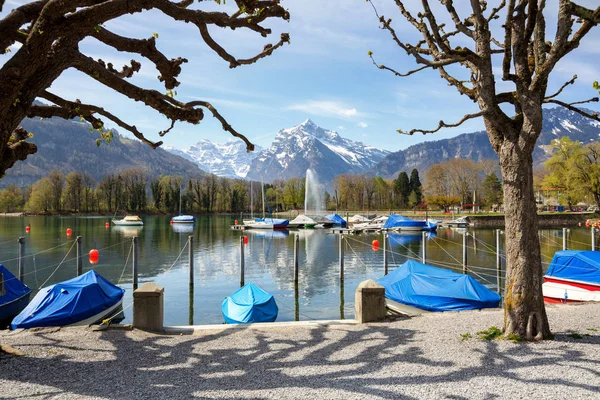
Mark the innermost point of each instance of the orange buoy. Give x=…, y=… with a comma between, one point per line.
x=235, y=222
x=69, y=231
x=94, y=255
x=171, y=223
x=245, y=239
x=107, y=225
x=27, y=229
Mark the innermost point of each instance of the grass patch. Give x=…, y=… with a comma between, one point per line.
x=465, y=336
x=593, y=329
x=514, y=338
x=491, y=333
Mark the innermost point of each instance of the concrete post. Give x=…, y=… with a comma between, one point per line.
x=21, y=258
x=148, y=307
x=369, y=302
x=79, y=259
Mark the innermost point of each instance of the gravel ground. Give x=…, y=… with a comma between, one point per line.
x=420, y=358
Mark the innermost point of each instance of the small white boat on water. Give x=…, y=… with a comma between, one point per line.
x=373, y=225
x=129, y=220
x=461, y=222
x=183, y=219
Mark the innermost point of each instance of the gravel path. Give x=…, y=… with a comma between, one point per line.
x=424, y=358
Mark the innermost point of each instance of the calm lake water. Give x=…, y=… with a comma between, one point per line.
x=163, y=259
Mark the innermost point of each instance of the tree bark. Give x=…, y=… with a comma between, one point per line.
x=524, y=311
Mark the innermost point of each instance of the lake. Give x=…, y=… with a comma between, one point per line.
x=163, y=259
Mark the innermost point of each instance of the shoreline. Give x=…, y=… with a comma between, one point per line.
x=424, y=357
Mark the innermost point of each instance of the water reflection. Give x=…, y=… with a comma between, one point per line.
x=269, y=255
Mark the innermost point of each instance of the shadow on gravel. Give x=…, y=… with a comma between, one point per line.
x=253, y=363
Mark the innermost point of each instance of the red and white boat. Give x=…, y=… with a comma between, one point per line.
x=573, y=276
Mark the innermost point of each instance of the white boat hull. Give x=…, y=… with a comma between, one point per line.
x=555, y=293
x=101, y=315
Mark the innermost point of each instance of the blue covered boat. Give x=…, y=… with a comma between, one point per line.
x=249, y=304
x=436, y=289
x=406, y=238
x=406, y=224
x=84, y=300
x=14, y=295
x=337, y=220
x=573, y=275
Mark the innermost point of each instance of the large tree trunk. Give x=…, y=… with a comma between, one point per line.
x=524, y=311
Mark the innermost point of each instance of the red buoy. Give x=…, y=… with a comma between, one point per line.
x=587, y=223
x=27, y=229
x=171, y=223
x=107, y=225
x=245, y=239
x=235, y=222
x=94, y=255
x=375, y=242
x=375, y=247
x=69, y=231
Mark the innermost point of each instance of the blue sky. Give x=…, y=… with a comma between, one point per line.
x=324, y=74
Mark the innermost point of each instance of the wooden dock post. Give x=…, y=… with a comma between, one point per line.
x=498, y=260
x=191, y=285
x=242, y=261
x=424, y=244
x=135, y=263
x=385, y=255
x=21, y=242
x=341, y=257
x=565, y=238
x=593, y=238
x=296, y=251
x=464, y=249
x=79, y=259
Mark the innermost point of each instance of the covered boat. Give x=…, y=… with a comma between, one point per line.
x=403, y=223
x=302, y=221
x=14, y=295
x=461, y=222
x=129, y=220
x=406, y=238
x=183, y=219
x=249, y=304
x=436, y=289
x=573, y=275
x=266, y=223
x=79, y=301
x=337, y=220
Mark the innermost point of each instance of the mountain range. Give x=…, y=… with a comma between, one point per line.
x=70, y=146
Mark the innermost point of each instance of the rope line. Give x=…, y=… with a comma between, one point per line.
x=59, y=264
x=126, y=262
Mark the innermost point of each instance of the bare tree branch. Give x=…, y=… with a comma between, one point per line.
x=572, y=81
x=569, y=106
x=442, y=124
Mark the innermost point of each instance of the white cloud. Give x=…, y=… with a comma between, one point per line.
x=326, y=109
x=362, y=124
x=341, y=128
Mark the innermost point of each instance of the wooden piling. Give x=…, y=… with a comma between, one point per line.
x=385, y=255
x=296, y=251
x=565, y=238
x=79, y=257
x=341, y=257
x=242, y=261
x=424, y=247
x=21, y=242
x=593, y=238
x=464, y=249
x=135, y=263
x=191, y=258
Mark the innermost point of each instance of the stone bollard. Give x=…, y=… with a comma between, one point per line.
x=148, y=311
x=369, y=302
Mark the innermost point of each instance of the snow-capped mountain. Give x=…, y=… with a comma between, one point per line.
x=230, y=160
x=557, y=123
x=307, y=145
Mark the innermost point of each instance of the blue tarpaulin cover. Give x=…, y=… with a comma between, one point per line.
x=336, y=219
x=13, y=287
x=69, y=302
x=400, y=221
x=576, y=265
x=249, y=304
x=436, y=289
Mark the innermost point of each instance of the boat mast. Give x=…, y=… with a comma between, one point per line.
x=251, y=202
x=262, y=192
